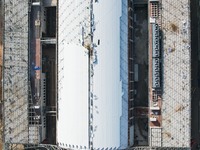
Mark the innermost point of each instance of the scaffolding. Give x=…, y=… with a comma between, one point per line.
x=19, y=125
x=15, y=71
x=131, y=72
x=55, y=147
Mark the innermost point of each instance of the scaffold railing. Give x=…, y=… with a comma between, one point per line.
x=16, y=83
x=55, y=147
x=15, y=71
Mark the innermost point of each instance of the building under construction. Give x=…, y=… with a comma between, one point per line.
x=98, y=74
x=25, y=111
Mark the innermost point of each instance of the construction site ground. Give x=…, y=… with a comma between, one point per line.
x=141, y=58
x=141, y=54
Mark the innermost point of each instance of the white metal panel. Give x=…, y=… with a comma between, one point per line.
x=155, y=108
x=36, y=4
x=107, y=85
x=73, y=97
x=72, y=132
x=153, y=119
x=72, y=127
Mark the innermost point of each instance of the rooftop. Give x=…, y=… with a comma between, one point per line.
x=176, y=73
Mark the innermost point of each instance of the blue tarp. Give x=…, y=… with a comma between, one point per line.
x=37, y=68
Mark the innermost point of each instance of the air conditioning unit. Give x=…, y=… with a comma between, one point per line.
x=156, y=38
x=156, y=61
x=156, y=75
x=156, y=52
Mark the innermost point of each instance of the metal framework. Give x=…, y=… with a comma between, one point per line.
x=15, y=71
x=55, y=147
x=19, y=123
x=131, y=62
